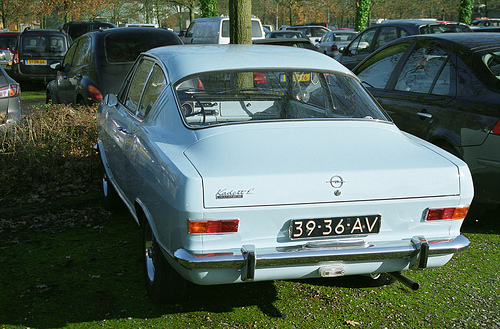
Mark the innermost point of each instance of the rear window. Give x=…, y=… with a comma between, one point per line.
x=279, y=95
x=124, y=48
x=44, y=44
x=442, y=28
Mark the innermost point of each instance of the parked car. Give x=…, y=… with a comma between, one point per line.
x=10, y=100
x=35, y=50
x=445, y=89
x=484, y=22
x=286, y=34
x=313, y=32
x=98, y=61
x=8, y=41
x=249, y=163
x=215, y=30
x=77, y=29
x=486, y=29
x=297, y=43
x=379, y=35
x=331, y=42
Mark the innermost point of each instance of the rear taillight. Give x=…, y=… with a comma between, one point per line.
x=15, y=60
x=213, y=226
x=335, y=48
x=496, y=129
x=447, y=213
x=94, y=93
x=259, y=78
x=11, y=90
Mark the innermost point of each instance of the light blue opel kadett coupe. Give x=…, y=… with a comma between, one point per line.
x=247, y=163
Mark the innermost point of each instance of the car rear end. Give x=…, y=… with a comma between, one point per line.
x=10, y=102
x=35, y=51
x=287, y=217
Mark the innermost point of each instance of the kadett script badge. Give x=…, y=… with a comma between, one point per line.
x=232, y=194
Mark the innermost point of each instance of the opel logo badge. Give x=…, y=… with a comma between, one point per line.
x=336, y=182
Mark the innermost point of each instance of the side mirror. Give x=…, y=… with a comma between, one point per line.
x=110, y=100
x=55, y=65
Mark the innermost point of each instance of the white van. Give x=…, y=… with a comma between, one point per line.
x=216, y=30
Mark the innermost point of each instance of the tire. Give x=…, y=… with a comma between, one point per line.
x=49, y=98
x=163, y=283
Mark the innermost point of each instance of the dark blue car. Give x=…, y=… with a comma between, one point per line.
x=97, y=63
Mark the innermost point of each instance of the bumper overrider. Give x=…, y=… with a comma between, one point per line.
x=417, y=250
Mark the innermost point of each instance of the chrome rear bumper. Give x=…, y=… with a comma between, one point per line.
x=417, y=250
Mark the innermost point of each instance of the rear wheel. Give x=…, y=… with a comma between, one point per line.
x=163, y=283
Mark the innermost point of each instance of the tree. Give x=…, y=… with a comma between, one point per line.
x=362, y=15
x=208, y=8
x=240, y=21
x=465, y=11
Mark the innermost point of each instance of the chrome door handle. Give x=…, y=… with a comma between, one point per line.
x=424, y=115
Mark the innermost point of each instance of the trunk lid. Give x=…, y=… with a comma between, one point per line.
x=266, y=164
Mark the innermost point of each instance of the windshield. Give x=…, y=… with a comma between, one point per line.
x=225, y=97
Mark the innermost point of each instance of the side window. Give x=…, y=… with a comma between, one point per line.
x=386, y=35
x=377, y=71
x=83, y=54
x=68, y=58
x=152, y=91
x=136, y=85
x=189, y=32
x=362, y=43
x=403, y=33
x=422, y=69
x=443, y=82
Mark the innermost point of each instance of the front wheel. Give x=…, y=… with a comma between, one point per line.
x=163, y=283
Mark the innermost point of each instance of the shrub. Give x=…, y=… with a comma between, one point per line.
x=49, y=154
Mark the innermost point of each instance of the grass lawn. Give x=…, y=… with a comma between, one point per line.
x=65, y=262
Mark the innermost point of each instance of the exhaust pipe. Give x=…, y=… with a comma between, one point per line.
x=404, y=280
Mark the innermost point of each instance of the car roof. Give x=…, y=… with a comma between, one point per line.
x=187, y=60
x=418, y=21
x=473, y=41
x=129, y=30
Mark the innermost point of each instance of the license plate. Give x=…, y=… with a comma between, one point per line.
x=297, y=77
x=36, y=62
x=318, y=227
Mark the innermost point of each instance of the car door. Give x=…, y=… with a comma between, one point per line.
x=74, y=67
x=419, y=88
x=62, y=83
x=124, y=125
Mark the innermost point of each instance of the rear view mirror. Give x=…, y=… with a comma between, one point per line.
x=110, y=100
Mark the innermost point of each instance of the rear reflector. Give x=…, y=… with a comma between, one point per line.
x=213, y=226
x=447, y=213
